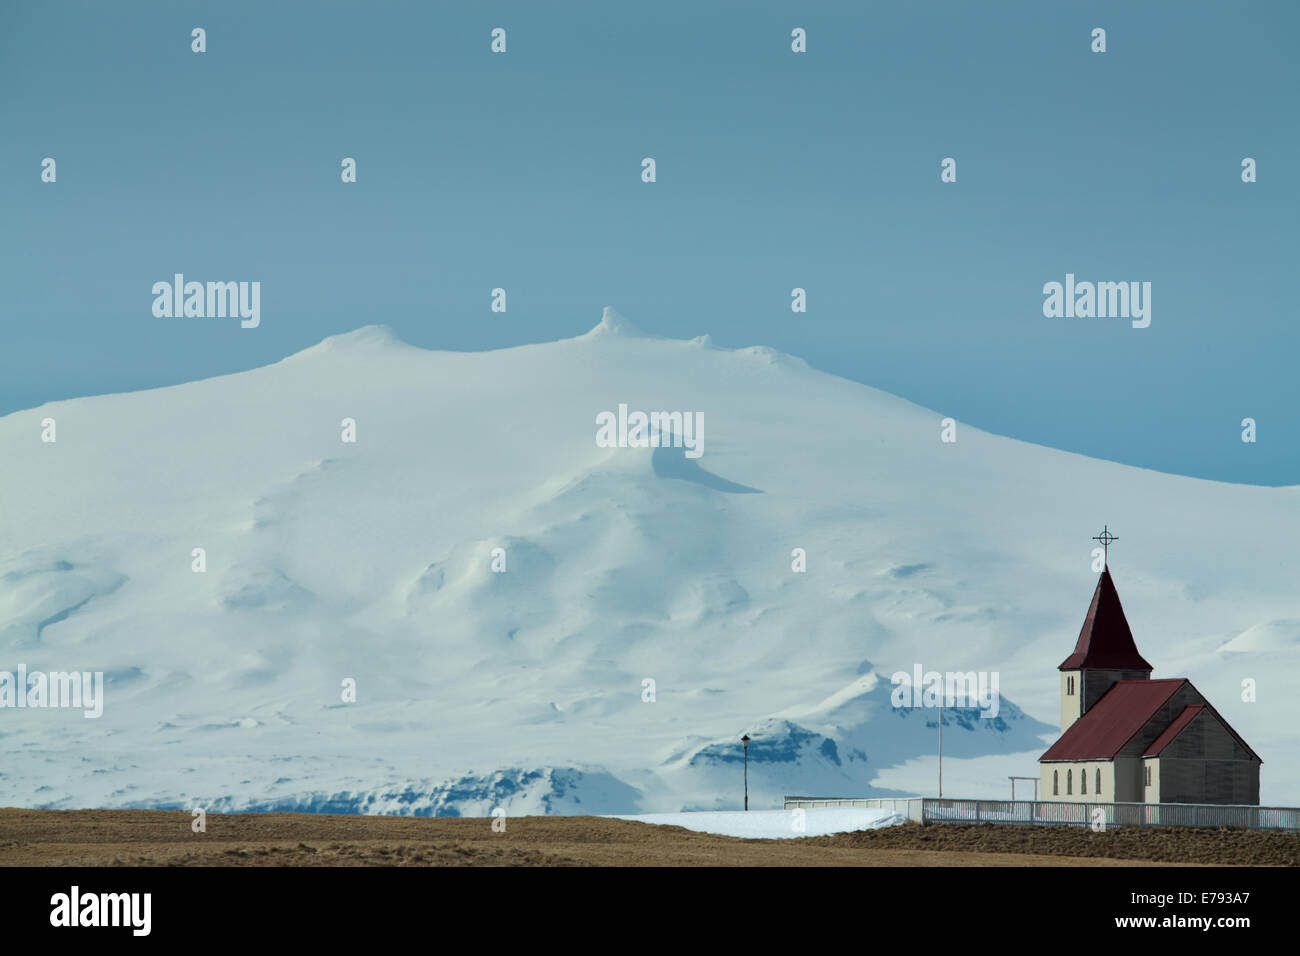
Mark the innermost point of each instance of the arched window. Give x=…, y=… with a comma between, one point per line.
x=1069, y=782
x=1097, y=789
x=1056, y=783
x=1083, y=780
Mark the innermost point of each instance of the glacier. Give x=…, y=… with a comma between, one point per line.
x=372, y=562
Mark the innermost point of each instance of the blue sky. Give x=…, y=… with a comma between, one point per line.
x=775, y=170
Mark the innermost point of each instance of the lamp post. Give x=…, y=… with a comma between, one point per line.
x=745, y=740
x=941, y=742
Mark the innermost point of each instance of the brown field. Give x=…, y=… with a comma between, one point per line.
x=164, y=838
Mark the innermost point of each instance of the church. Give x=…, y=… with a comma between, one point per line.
x=1126, y=738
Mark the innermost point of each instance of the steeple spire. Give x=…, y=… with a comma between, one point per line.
x=1105, y=640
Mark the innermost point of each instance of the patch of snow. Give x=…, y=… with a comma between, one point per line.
x=774, y=824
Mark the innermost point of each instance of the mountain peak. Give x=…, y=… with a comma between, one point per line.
x=611, y=323
x=365, y=338
x=366, y=335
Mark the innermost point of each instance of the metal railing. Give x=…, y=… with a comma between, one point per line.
x=909, y=807
x=1058, y=813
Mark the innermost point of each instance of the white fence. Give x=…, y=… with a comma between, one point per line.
x=1051, y=812
x=909, y=807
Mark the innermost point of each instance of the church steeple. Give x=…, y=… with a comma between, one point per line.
x=1105, y=640
x=1103, y=654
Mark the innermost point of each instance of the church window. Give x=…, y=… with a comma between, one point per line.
x=1083, y=780
x=1056, y=783
x=1069, y=782
x=1097, y=789
x=1147, y=775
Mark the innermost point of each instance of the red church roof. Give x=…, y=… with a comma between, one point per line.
x=1111, y=722
x=1173, y=730
x=1105, y=640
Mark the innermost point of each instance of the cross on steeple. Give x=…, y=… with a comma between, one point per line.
x=1105, y=538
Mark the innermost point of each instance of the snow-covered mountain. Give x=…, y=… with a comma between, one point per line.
x=525, y=688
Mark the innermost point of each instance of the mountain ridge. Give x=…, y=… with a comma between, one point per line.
x=372, y=560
